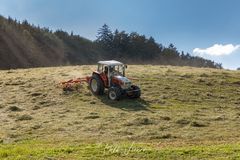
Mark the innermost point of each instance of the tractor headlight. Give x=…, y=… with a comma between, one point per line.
x=126, y=85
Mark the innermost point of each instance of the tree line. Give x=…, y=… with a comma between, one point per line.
x=131, y=48
x=140, y=49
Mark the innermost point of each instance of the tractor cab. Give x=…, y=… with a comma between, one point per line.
x=111, y=75
x=110, y=69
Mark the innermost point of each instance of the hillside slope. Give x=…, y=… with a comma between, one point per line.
x=21, y=49
x=183, y=112
x=23, y=46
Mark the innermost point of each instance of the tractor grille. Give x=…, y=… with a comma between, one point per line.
x=127, y=85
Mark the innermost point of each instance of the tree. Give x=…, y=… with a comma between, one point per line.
x=25, y=23
x=120, y=44
x=153, y=48
x=172, y=47
x=116, y=40
x=105, y=37
x=238, y=69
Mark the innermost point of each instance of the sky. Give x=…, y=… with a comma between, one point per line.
x=206, y=28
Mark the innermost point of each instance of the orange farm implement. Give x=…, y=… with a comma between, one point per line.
x=74, y=84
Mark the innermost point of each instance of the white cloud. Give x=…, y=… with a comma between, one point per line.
x=217, y=50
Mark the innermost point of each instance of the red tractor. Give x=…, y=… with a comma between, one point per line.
x=111, y=75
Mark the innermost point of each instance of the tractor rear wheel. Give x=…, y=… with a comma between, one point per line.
x=114, y=93
x=96, y=85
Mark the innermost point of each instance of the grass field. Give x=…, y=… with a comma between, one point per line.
x=183, y=113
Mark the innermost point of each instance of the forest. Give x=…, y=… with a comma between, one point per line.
x=24, y=45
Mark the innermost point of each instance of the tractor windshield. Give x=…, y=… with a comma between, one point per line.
x=117, y=70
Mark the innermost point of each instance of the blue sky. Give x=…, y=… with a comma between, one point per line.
x=208, y=28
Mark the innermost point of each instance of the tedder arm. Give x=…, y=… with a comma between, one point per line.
x=74, y=84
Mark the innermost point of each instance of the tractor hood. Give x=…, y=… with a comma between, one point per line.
x=126, y=83
x=123, y=79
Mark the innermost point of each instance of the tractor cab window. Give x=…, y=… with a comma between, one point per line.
x=116, y=70
x=112, y=69
x=105, y=70
x=121, y=70
x=100, y=68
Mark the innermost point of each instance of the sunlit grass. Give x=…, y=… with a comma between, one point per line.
x=123, y=150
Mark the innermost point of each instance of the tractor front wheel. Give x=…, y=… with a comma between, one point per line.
x=114, y=93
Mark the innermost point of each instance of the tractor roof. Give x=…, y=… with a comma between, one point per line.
x=110, y=63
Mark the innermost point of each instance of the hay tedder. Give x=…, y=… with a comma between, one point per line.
x=109, y=75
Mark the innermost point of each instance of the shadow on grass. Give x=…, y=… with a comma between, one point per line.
x=126, y=103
